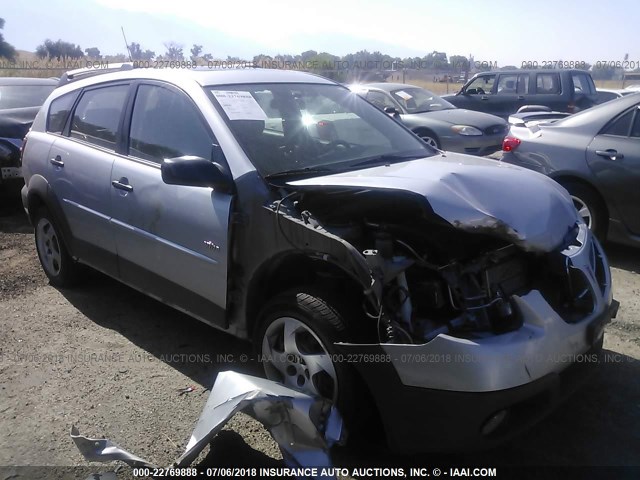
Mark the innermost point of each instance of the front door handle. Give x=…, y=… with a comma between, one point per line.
x=484, y=97
x=57, y=161
x=610, y=153
x=122, y=186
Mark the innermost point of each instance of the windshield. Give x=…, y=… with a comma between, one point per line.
x=309, y=128
x=20, y=96
x=419, y=100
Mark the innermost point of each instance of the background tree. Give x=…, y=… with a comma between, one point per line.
x=174, y=51
x=60, y=50
x=92, y=52
x=459, y=63
x=196, y=50
x=6, y=50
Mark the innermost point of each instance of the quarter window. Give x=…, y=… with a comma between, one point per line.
x=165, y=124
x=59, y=111
x=97, y=115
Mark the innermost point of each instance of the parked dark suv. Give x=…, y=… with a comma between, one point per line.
x=502, y=93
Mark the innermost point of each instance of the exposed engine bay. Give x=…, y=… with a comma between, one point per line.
x=428, y=276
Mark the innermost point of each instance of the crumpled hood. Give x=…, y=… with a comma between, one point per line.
x=476, y=195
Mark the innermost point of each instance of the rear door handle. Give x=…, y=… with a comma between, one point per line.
x=520, y=97
x=484, y=97
x=122, y=186
x=610, y=153
x=57, y=161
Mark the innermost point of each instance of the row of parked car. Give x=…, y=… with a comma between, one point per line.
x=367, y=265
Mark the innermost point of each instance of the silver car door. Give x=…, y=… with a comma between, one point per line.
x=614, y=158
x=171, y=239
x=80, y=163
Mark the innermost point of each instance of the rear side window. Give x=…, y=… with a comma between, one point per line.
x=635, y=130
x=59, y=111
x=166, y=124
x=621, y=125
x=97, y=115
x=548, y=83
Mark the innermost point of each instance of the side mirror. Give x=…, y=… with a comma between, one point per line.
x=469, y=91
x=392, y=111
x=196, y=172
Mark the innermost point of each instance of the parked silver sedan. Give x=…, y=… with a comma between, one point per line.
x=436, y=121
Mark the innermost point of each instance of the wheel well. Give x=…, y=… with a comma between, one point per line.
x=420, y=130
x=564, y=179
x=34, y=202
x=283, y=273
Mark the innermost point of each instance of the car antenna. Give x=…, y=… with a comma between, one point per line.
x=126, y=43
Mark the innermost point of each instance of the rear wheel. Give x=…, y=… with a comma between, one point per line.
x=52, y=252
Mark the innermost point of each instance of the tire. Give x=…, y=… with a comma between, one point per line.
x=429, y=137
x=314, y=324
x=56, y=262
x=590, y=207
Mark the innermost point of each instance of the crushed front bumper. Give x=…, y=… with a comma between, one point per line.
x=458, y=393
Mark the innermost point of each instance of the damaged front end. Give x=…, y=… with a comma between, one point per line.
x=475, y=280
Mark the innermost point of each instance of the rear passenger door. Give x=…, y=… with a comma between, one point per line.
x=172, y=240
x=80, y=162
x=614, y=157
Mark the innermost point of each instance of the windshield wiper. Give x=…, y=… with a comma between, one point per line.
x=297, y=171
x=390, y=158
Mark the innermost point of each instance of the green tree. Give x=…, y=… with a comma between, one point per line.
x=92, y=52
x=174, y=51
x=196, y=50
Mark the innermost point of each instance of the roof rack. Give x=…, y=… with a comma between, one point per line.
x=80, y=73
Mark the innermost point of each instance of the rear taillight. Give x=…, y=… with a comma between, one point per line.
x=509, y=144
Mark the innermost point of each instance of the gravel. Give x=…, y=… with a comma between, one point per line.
x=111, y=361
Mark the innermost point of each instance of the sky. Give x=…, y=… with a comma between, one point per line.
x=506, y=32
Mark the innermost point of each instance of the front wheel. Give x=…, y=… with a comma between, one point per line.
x=429, y=138
x=296, y=339
x=589, y=207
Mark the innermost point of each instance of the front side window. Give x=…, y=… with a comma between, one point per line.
x=166, y=124
x=548, y=83
x=59, y=111
x=289, y=128
x=97, y=115
x=483, y=85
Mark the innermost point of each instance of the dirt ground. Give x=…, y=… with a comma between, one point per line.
x=111, y=361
